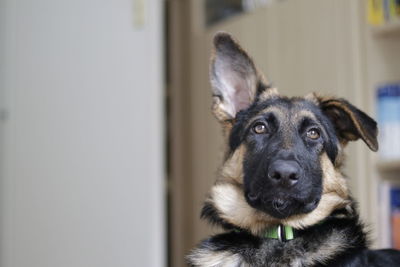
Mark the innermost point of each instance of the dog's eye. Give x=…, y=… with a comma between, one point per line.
x=313, y=133
x=260, y=128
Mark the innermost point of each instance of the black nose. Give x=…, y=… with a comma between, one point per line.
x=284, y=172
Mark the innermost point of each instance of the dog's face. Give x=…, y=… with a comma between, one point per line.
x=284, y=154
x=284, y=139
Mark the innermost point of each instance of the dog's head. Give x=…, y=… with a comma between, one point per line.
x=284, y=154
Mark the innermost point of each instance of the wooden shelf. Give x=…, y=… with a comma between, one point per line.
x=388, y=29
x=389, y=165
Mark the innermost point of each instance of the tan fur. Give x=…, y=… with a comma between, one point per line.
x=333, y=179
x=219, y=110
x=278, y=111
x=207, y=258
x=313, y=97
x=231, y=171
x=269, y=93
x=333, y=245
x=327, y=204
x=228, y=198
x=282, y=113
x=274, y=109
x=303, y=114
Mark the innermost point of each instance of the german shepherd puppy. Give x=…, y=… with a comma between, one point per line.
x=280, y=195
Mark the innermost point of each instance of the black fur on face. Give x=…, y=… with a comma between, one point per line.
x=284, y=139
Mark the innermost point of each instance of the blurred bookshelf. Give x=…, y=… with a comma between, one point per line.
x=387, y=29
x=388, y=165
x=383, y=18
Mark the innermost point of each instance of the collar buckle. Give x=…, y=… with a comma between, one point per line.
x=279, y=232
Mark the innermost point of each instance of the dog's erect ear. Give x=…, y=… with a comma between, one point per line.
x=234, y=78
x=350, y=122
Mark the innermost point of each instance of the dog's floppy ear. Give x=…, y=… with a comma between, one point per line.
x=350, y=122
x=234, y=78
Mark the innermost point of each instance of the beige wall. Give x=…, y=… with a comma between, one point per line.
x=81, y=134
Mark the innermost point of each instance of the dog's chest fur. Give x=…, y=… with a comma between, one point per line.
x=317, y=246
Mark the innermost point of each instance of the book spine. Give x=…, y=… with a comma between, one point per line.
x=375, y=10
x=395, y=10
x=388, y=98
x=382, y=11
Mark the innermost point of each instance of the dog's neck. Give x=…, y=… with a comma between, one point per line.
x=270, y=228
x=227, y=206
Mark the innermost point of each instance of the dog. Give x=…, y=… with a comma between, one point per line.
x=280, y=194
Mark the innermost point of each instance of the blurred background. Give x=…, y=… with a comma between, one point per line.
x=107, y=143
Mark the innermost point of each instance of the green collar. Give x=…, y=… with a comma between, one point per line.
x=280, y=232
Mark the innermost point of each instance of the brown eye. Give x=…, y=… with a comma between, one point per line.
x=260, y=128
x=313, y=134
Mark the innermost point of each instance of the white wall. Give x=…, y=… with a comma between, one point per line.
x=81, y=139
